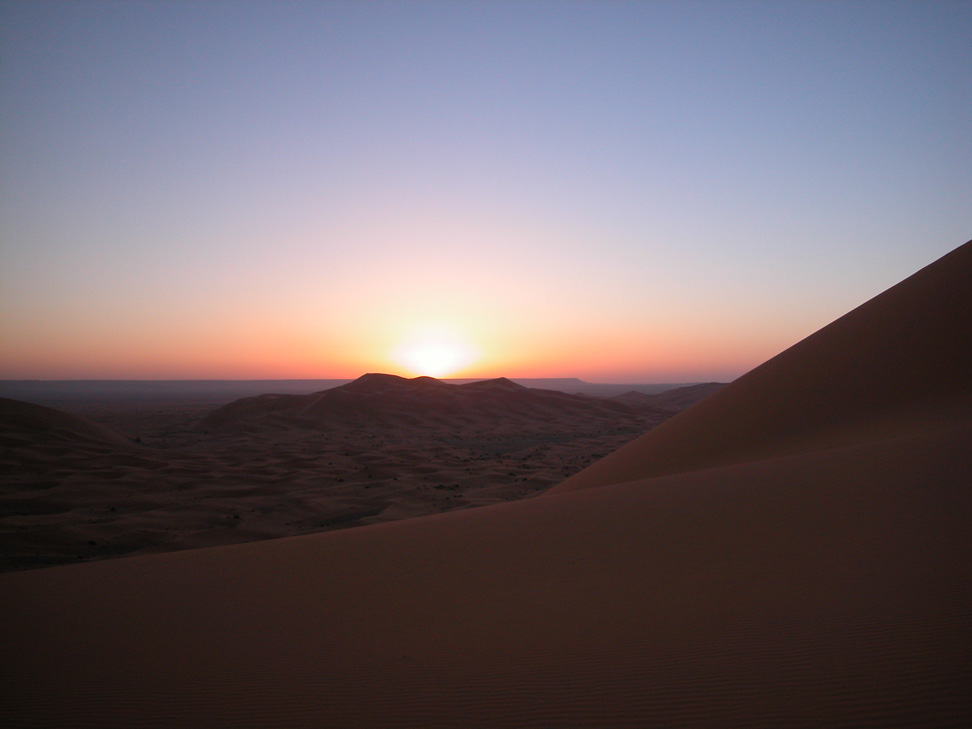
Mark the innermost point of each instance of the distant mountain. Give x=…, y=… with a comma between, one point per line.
x=375, y=400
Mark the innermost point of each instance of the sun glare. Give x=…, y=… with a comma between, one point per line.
x=435, y=353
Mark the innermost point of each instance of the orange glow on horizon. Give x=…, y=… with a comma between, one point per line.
x=441, y=350
x=438, y=336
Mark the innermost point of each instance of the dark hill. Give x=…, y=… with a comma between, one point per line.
x=22, y=422
x=377, y=400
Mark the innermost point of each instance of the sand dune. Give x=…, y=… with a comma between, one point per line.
x=379, y=449
x=675, y=400
x=806, y=561
x=899, y=362
x=800, y=592
x=37, y=423
x=378, y=401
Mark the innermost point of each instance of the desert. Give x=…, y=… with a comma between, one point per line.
x=132, y=471
x=468, y=365
x=792, y=550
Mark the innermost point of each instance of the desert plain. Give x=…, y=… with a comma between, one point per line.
x=794, y=550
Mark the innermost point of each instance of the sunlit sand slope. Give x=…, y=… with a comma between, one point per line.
x=815, y=586
x=901, y=361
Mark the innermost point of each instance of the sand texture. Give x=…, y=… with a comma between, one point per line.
x=204, y=473
x=797, y=554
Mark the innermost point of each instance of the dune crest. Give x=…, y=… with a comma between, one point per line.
x=901, y=361
x=385, y=401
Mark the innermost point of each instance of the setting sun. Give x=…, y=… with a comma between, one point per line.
x=434, y=352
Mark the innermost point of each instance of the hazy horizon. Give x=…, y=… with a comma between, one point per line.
x=446, y=378
x=658, y=192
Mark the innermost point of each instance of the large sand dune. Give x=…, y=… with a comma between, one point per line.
x=901, y=361
x=794, y=551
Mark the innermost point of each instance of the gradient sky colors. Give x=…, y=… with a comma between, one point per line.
x=619, y=191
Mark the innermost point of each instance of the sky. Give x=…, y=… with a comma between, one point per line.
x=618, y=191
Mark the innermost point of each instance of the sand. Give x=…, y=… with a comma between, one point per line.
x=815, y=573
x=74, y=487
x=900, y=362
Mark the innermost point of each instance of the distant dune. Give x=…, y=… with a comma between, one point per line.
x=22, y=422
x=377, y=449
x=46, y=392
x=380, y=400
x=675, y=400
x=793, y=551
x=61, y=393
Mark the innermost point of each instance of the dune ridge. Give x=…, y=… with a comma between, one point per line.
x=900, y=361
x=815, y=575
x=377, y=401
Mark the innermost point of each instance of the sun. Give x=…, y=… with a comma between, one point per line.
x=434, y=352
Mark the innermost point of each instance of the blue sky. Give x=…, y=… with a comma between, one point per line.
x=622, y=191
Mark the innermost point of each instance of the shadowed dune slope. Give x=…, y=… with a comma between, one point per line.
x=22, y=421
x=815, y=586
x=902, y=360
